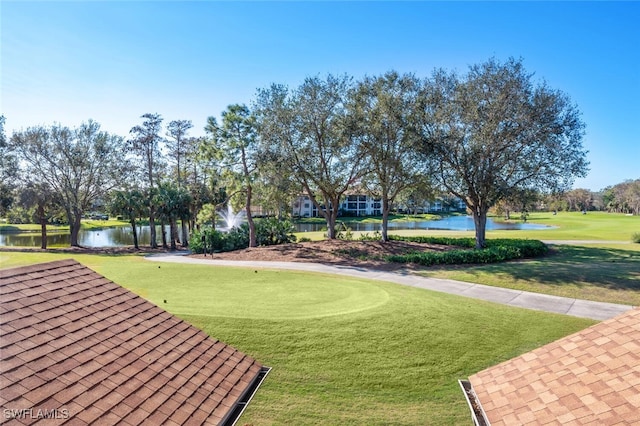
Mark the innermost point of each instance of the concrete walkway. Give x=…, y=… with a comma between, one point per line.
x=505, y=296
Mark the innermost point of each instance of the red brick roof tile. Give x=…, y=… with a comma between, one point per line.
x=76, y=346
x=590, y=377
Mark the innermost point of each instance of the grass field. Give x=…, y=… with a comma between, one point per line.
x=343, y=350
x=600, y=272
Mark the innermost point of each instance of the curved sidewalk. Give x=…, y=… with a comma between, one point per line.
x=505, y=296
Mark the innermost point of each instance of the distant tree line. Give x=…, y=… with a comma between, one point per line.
x=620, y=198
x=489, y=136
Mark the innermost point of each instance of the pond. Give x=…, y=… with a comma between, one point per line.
x=122, y=236
x=106, y=237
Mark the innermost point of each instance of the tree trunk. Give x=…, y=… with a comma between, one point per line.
x=252, y=226
x=163, y=231
x=331, y=226
x=152, y=227
x=43, y=227
x=185, y=233
x=332, y=217
x=173, y=231
x=480, y=221
x=74, y=227
x=135, y=234
x=385, y=219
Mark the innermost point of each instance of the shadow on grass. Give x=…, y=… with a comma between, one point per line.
x=614, y=269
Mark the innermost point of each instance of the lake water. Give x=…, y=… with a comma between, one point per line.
x=107, y=237
x=122, y=236
x=451, y=223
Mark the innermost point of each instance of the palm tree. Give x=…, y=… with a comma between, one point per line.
x=173, y=203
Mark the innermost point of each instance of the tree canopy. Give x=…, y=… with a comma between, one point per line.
x=382, y=113
x=80, y=165
x=235, y=143
x=308, y=130
x=493, y=132
x=493, y=136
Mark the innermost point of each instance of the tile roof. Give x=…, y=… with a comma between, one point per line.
x=79, y=348
x=589, y=378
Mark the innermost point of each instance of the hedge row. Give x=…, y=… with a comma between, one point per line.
x=497, y=250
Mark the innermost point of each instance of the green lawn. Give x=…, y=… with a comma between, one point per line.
x=343, y=350
x=602, y=273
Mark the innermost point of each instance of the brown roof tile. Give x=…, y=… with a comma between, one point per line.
x=590, y=377
x=73, y=340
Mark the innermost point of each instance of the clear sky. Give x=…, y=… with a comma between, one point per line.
x=113, y=61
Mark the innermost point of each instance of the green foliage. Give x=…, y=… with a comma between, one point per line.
x=304, y=240
x=343, y=232
x=271, y=231
x=497, y=250
x=636, y=237
x=216, y=241
x=18, y=215
x=366, y=237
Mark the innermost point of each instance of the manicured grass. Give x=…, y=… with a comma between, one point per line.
x=606, y=273
x=6, y=228
x=576, y=226
x=343, y=350
x=98, y=224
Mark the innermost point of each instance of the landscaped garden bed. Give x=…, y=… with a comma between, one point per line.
x=393, y=254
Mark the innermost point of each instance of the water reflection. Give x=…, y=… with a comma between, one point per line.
x=107, y=237
x=451, y=223
x=122, y=236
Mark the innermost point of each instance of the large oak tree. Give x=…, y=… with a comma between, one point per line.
x=79, y=165
x=308, y=130
x=494, y=132
x=382, y=112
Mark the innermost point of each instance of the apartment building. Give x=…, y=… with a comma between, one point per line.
x=367, y=205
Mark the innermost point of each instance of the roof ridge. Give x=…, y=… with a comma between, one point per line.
x=27, y=269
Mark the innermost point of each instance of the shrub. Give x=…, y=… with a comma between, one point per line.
x=366, y=237
x=216, y=241
x=343, y=232
x=268, y=232
x=498, y=250
x=271, y=231
x=636, y=237
x=304, y=240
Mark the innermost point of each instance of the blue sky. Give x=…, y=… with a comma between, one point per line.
x=67, y=62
